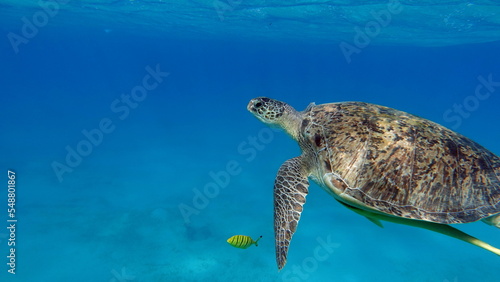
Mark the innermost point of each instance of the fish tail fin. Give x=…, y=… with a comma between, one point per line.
x=258, y=240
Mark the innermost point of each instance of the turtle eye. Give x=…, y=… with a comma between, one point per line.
x=258, y=105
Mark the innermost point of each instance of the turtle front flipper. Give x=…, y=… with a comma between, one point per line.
x=290, y=190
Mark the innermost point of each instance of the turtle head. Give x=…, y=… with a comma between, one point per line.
x=275, y=114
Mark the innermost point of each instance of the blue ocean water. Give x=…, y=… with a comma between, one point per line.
x=135, y=158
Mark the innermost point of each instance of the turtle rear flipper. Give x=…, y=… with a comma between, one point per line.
x=436, y=227
x=493, y=220
x=366, y=214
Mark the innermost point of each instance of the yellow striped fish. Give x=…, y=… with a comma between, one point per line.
x=242, y=241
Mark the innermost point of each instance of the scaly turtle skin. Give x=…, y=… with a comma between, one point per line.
x=384, y=164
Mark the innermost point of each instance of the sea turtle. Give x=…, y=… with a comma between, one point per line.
x=384, y=164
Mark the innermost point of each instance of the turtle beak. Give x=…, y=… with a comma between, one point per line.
x=251, y=105
x=252, y=108
x=257, y=103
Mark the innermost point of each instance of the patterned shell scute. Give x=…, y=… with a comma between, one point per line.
x=401, y=164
